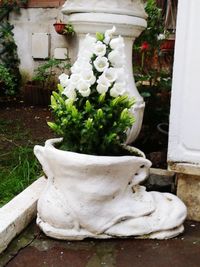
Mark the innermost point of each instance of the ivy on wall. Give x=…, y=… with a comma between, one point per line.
x=9, y=61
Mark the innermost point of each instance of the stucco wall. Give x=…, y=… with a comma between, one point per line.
x=36, y=20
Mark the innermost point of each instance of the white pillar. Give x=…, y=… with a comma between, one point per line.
x=184, y=132
x=97, y=16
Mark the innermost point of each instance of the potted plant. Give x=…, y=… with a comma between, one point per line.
x=63, y=28
x=93, y=177
x=59, y=26
x=38, y=91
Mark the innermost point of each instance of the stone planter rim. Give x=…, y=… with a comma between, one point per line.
x=51, y=142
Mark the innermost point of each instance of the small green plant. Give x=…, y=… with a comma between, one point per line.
x=92, y=107
x=7, y=81
x=47, y=72
x=69, y=29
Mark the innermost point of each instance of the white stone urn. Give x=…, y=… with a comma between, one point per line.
x=129, y=18
x=100, y=197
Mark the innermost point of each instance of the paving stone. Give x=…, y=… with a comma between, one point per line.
x=182, y=251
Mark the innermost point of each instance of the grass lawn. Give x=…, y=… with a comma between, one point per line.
x=18, y=166
x=20, y=129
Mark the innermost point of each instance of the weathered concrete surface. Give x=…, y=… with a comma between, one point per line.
x=19, y=212
x=33, y=249
x=188, y=189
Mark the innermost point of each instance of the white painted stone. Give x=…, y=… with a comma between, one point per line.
x=19, y=212
x=129, y=18
x=100, y=197
x=184, y=131
x=40, y=45
x=127, y=7
x=60, y=53
x=38, y=20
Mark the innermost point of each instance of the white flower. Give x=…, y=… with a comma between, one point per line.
x=117, y=43
x=161, y=37
x=116, y=58
x=118, y=89
x=75, y=78
x=101, y=63
x=88, y=76
x=103, y=84
x=76, y=68
x=110, y=74
x=100, y=49
x=80, y=65
x=108, y=35
x=84, y=88
x=64, y=79
x=87, y=47
x=70, y=92
x=101, y=89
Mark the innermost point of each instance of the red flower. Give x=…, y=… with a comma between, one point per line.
x=144, y=46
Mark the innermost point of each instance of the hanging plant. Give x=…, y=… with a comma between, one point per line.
x=63, y=28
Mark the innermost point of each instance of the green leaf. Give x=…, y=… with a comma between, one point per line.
x=101, y=98
x=100, y=36
x=60, y=88
x=74, y=112
x=89, y=123
x=53, y=126
x=88, y=106
x=124, y=114
x=100, y=114
x=53, y=102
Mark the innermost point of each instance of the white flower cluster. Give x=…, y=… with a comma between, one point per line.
x=100, y=64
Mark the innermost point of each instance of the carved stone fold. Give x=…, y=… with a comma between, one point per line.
x=100, y=197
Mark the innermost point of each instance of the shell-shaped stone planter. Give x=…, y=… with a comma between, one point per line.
x=99, y=197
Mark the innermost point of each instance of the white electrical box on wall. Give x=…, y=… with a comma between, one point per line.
x=40, y=45
x=60, y=53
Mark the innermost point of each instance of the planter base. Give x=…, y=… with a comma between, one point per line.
x=158, y=224
x=65, y=234
x=100, y=197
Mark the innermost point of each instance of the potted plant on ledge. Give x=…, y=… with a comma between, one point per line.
x=93, y=177
x=63, y=28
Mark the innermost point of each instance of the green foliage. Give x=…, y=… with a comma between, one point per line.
x=96, y=125
x=155, y=24
x=69, y=29
x=100, y=36
x=18, y=166
x=91, y=106
x=47, y=72
x=151, y=71
x=21, y=170
x=8, y=49
x=7, y=81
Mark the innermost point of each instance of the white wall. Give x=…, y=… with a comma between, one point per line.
x=184, y=135
x=35, y=20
